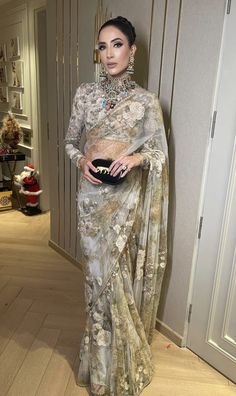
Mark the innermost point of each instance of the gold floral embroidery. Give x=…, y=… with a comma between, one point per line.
x=120, y=243
x=140, y=263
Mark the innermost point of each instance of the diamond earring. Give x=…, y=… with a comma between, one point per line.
x=103, y=72
x=130, y=68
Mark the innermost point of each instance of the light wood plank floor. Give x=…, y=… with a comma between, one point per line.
x=42, y=317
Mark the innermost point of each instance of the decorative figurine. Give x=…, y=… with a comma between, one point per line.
x=10, y=135
x=29, y=186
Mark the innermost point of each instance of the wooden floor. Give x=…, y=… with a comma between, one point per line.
x=42, y=317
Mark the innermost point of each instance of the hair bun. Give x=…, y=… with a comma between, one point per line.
x=127, y=23
x=123, y=19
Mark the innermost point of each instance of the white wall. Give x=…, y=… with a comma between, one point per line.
x=193, y=32
x=17, y=18
x=14, y=23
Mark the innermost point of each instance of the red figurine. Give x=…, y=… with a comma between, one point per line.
x=29, y=186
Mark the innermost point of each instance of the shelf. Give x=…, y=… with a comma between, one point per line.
x=24, y=146
x=12, y=157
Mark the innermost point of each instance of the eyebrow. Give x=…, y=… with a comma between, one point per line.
x=103, y=42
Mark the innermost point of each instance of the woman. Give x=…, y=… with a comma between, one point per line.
x=122, y=226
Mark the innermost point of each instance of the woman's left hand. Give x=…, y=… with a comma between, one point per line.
x=125, y=163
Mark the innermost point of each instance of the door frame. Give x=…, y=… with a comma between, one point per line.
x=35, y=7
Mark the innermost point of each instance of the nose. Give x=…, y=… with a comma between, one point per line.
x=109, y=52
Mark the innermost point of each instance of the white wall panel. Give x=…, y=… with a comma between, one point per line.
x=60, y=131
x=157, y=44
x=73, y=83
x=66, y=114
x=87, y=11
x=53, y=119
x=190, y=102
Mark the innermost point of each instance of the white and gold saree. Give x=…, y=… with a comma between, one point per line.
x=123, y=238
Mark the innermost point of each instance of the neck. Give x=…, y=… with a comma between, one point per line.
x=115, y=87
x=118, y=78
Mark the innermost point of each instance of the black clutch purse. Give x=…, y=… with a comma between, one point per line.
x=103, y=174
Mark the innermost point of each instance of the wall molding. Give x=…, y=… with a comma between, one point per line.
x=169, y=333
x=65, y=254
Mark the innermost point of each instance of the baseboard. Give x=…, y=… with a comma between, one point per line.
x=63, y=253
x=169, y=333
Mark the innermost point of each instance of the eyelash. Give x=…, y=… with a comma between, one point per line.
x=119, y=45
x=102, y=47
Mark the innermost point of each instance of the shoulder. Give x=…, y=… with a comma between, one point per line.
x=148, y=98
x=84, y=89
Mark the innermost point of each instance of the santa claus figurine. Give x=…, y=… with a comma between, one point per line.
x=29, y=186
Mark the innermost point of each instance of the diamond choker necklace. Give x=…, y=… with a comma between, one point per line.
x=113, y=86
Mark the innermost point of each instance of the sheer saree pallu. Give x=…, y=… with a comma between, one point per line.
x=123, y=239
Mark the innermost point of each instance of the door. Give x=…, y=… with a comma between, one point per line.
x=212, y=328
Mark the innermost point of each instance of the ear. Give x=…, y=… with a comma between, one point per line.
x=133, y=49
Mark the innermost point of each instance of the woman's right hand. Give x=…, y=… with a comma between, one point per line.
x=85, y=165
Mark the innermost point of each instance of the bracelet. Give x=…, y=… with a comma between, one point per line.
x=145, y=163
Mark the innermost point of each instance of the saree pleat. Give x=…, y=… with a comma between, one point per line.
x=121, y=363
x=124, y=243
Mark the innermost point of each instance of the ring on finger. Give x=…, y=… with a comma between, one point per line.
x=124, y=167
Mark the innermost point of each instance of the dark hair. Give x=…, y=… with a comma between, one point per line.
x=124, y=26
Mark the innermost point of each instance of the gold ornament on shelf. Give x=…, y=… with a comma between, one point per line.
x=10, y=134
